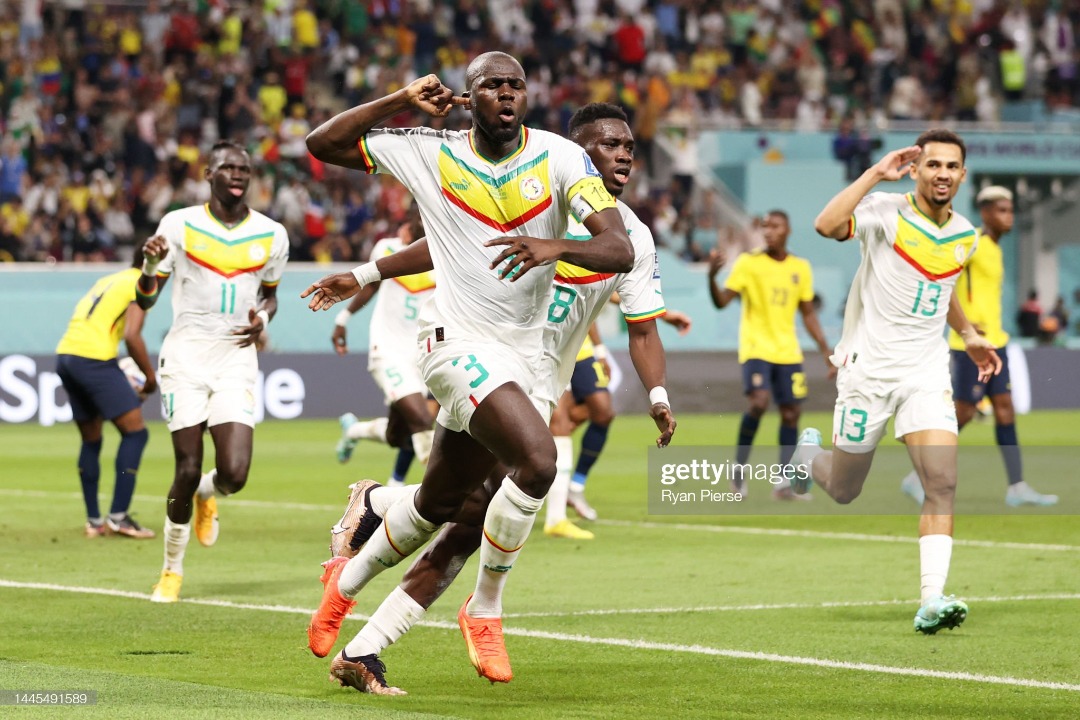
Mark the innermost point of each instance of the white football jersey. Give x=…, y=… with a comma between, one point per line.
x=578, y=296
x=466, y=199
x=397, y=304
x=894, y=321
x=218, y=270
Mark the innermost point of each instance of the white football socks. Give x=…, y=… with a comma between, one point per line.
x=560, y=489
x=403, y=531
x=421, y=443
x=506, y=526
x=381, y=498
x=395, y=616
x=176, y=542
x=368, y=430
x=207, y=489
x=935, y=552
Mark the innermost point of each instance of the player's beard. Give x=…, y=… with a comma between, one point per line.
x=497, y=134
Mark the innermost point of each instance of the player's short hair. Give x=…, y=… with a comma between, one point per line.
x=943, y=135
x=780, y=213
x=476, y=68
x=228, y=145
x=992, y=194
x=593, y=112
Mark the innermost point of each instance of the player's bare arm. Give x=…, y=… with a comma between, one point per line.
x=339, y=336
x=678, y=320
x=410, y=260
x=813, y=326
x=258, y=317
x=335, y=141
x=833, y=221
x=647, y=354
x=134, y=318
x=154, y=251
x=721, y=297
x=608, y=250
x=978, y=348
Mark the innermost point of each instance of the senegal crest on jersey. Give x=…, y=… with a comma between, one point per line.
x=936, y=258
x=504, y=202
x=227, y=258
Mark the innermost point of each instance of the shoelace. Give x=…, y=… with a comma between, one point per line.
x=489, y=638
x=369, y=523
x=376, y=667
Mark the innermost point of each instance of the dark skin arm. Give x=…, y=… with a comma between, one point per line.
x=721, y=297
x=249, y=334
x=335, y=141
x=609, y=249
x=359, y=300
x=155, y=249
x=647, y=354
x=410, y=260
x=813, y=326
x=134, y=318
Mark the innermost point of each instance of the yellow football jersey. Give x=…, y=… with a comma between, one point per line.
x=770, y=291
x=586, y=350
x=96, y=327
x=979, y=291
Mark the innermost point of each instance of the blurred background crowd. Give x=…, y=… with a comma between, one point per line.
x=109, y=106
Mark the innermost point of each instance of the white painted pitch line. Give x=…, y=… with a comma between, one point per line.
x=781, y=606
x=781, y=532
x=335, y=511
x=614, y=642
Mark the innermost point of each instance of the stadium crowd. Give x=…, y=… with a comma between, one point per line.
x=109, y=107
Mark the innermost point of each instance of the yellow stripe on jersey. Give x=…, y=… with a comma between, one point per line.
x=417, y=283
x=503, y=202
x=366, y=157
x=979, y=290
x=646, y=316
x=227, y=258
x=587, y=350
x=936, y=258
x=97, y=325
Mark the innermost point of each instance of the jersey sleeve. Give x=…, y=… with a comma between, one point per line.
x=868, y=222
x=640, y=297
x=279, y=255
x=736, y=281
x=806, y=283
x=171, y=228
x=400, y=152
x=579, y=181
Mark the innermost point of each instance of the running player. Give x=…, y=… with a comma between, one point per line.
x=602, y=130
x=227, y=259
x=772, y=285
x=892, y=357
x=98, y=390
x=481, y=334
x=392, y=356
x=979, y=290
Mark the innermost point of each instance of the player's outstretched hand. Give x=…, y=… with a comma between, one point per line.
x=249, y=334
x=830, y=369
x=330, y=290
x=896, y=164
x=430, y=95
x=522, y=254
x=983, y=354
x=665, y=423
x=717, y=260
x=679, y=320
x=341, y=346
x=156, y=248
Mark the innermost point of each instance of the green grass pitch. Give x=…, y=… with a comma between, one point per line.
x=659, y=617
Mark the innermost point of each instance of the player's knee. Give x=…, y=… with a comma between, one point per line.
x=964, y=413
x=1004, y=413
x=536, y=471
x=757, y=404
x=232, y=475
x=939, y=483
x=789, y=415
x=188, y=471
x=845, y=496
x=603, y=416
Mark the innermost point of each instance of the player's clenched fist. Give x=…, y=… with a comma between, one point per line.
x=156, y=248
x=430, y=95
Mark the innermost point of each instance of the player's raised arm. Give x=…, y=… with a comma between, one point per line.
x=148, y=287
x=410, y=260
x=336, y=140
x=721, y=297
x=835, y=220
